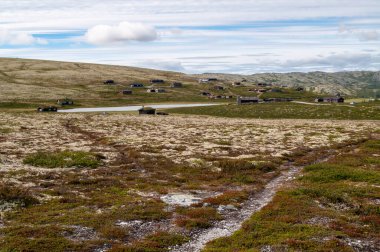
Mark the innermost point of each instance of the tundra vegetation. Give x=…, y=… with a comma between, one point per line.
x=82, y=182
x=122, y=182
x=333, y=206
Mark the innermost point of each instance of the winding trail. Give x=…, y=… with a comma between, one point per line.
x=234, y=220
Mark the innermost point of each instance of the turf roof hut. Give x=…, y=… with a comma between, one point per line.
x=65, y=102
x=247, y=100
x=109, y=82
x=147, y=111
x=47, y=109
x=157, y=81
x=176, y=85
x=127, y=92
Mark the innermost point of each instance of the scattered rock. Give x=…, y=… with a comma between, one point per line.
x=318, y=220
x=80, y=233
x=181, y=199
x=228, y=208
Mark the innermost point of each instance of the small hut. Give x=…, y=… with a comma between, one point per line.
x=176, y=85
x=126, y=92
x=137, y=85
x=151, y=90
x=65, y=102
x=47, y=109
x=157, y=81
x=109, y=82
x=247, y=100
x=160, y=90
x=147, y=111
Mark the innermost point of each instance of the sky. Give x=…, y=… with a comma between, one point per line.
x=198, y=36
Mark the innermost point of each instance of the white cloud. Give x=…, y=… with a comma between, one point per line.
x=125, y=31
x=343, y=61
x=363, y=35
x=163, y=65
x=19, y=38
x=369, y=35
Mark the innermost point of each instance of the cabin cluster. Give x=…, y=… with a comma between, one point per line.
x=152, y=89
x=247, y=100
x=150, y=111
x=261, y=84
x=337, y=99
x=212, y=96
x=258, y=90
x=47, y=109
x=278, y=99
x=220, y=96
x=253, y=100
x=156, y=90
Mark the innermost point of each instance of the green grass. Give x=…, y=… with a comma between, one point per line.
x=369, y=111
x=339, y=194
x=64, y=159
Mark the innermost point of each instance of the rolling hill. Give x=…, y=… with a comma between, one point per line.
x=38, y=81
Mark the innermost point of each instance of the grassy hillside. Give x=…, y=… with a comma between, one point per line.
x=365, y=111
x=25, y=84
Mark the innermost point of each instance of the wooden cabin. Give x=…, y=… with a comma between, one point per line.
x=336, y=99
x=65, y=102
x=207, y=80
x=157, y=81
x=205, y=93
x=247, y=100
x=126, y=92
x=147, y=111
x=137, y=85
x=176, y=85
x=109, y=82
x=47, y=109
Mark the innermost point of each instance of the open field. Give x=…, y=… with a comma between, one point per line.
x=363, y=111
x=125, y=183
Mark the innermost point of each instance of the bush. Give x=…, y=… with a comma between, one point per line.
x=13, y=194
x=197, y=217
x=235, y=165
x=63, y=159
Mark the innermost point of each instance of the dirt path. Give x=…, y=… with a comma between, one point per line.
x=234, y=220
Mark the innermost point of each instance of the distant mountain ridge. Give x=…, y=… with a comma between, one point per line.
x=355, y=83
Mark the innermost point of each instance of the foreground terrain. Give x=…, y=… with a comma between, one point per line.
x=119, y=182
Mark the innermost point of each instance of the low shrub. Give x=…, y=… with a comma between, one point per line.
x=64, y=159
x=20, y=196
